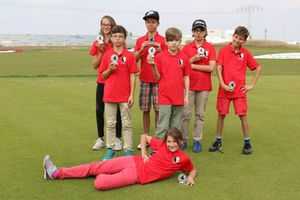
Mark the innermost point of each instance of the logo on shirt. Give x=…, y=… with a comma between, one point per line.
x=124, y=59
x=180, y=61
x=176, y=159
x=151, y=39
x=241, y=56
x=206, y=53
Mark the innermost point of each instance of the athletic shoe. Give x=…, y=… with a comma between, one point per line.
x=183, y=146
x=109, y=154
x=139, y=147
x=216, y=146
x=99, y=144
x=128, y=153
x=197, y=147
x=152, y=152
x=118, y=145
x=247, y=149
x=49, y=168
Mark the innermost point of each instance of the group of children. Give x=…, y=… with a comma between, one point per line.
x=176, y=82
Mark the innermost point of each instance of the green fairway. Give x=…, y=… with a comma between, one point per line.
x=56, y=115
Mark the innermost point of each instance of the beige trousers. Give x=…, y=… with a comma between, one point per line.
x=197, y=99
x=111, y=120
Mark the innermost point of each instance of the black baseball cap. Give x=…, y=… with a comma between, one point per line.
x=152, y=14
x=199, y=23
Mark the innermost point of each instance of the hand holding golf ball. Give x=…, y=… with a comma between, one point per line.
x=114, y=61
x=231, y=85
x=100, y=39
x=151, y=51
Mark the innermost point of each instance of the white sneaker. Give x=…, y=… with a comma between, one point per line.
x=99, y=144
x=139, y=147
x=118, y=145
x=49, y=168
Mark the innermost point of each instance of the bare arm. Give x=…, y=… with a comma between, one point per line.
x=96, y=60
x=154, y=68
x=205, y=68
x=132, y=88
x=190, y=179
x=246, y=88
x=145, y=139
x=187, y=90
x=220, y=78
x=138, y=53
x=108, y=71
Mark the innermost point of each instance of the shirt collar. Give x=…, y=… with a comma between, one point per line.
x=232, y=50
x=202, y=45
x=171, y=55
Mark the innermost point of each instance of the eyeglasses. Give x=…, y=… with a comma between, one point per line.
x=106, y=25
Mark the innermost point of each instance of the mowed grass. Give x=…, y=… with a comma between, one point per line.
x=56, y=116
x=52, y=62
x=77, y=62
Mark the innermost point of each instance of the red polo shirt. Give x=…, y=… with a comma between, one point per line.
x=117, y=84
x=162, y=164
x=234, y=69
x=146, y=74
x=95, y=51
x=172, y=69
x=199, y=80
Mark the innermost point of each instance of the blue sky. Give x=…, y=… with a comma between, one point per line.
x=279, y=17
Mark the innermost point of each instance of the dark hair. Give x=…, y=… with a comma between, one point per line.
x=173, y=34
x=174, y=133
x=242, y=31
x=119, y=29
x=110, y=19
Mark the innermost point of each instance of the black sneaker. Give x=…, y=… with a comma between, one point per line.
x=247, y=149
x=216, y=146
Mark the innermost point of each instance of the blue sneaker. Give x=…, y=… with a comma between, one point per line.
x=152, y=152
x=247, y=149
x=109, y=154
x=183, y=146
x=128, y=153
x=197, y=146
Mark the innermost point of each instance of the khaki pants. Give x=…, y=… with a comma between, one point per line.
x=169, y=117
x=199, y=100
x=111, y=113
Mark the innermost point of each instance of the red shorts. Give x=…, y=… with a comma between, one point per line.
x=240, y=106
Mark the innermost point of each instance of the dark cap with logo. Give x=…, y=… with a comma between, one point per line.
x=152, y=14
x=199, y=23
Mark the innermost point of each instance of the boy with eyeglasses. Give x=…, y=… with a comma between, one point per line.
x=118, y=68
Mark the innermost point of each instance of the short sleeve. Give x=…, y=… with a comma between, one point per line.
x=212, y=54
x=251, y=62
x=134, y=68
x=93, y=50
x=187, y=166
x=104, y=63
x=155, y=143
x=220, y=60
x=137, y=46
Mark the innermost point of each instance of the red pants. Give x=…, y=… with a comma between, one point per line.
x=110, y=174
